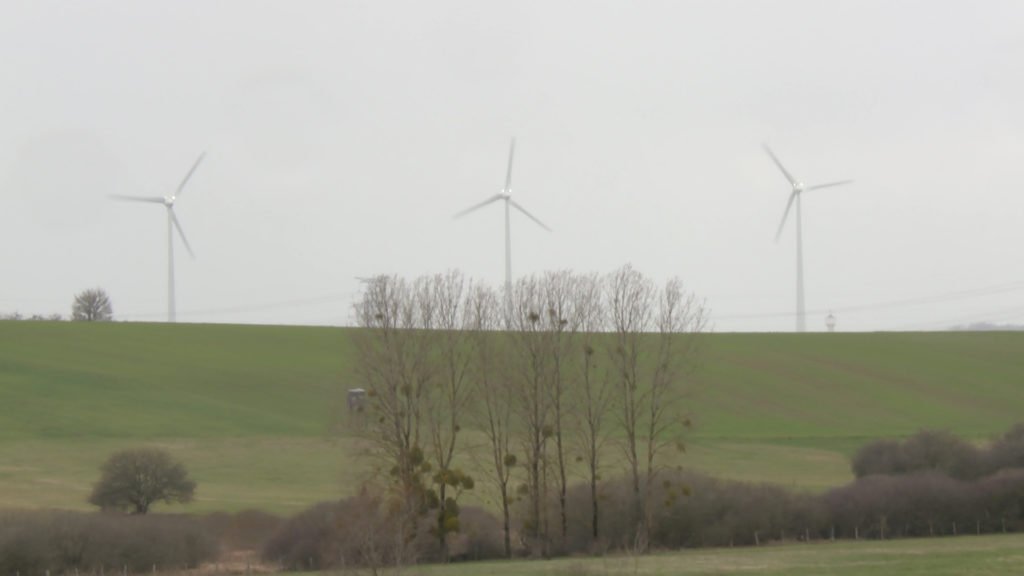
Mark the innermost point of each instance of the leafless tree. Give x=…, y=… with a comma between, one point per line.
x=629, y=299
x=446, y=297
x=679, y=318
x=652, y=343
x=492, y=390
x=594, y=390
x=136, y=479
x=560, y=325
x=92, y=305
x=527, y=375
x=542, y=385
x=394, y=364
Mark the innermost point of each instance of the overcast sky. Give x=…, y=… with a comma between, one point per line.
x=342, y=136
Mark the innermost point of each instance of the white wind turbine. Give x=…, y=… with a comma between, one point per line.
x=794, y=196
x=172, y=224
x=506, y=195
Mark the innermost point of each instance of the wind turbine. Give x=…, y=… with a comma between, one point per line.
x=506, y=195
x=794, y=197
x=172, y=224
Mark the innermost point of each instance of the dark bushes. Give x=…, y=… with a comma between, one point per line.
x=932, y=483
x=1008, y=450
x=942, y=452
x=32, y=541
x=360, y=532
x=245, y=530
x=692, y=510
x=928, y=504
x=479, y=537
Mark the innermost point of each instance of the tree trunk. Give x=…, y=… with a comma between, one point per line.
x=505, y=522
x=442, y=540
x=562, y=489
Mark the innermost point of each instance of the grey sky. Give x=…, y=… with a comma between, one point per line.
x=342, y=136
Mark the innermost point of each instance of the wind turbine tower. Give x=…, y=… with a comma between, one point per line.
x=795, y=195
x=506, y=196
x=172, y=225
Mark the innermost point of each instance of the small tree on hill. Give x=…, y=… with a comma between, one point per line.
x=135, y=479
x=92, y=306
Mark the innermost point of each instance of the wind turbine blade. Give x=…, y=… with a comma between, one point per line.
x=508, y=175
x=785, y=172
x=181, y=233
x=530, y=216
x=785, y=215
x=189, y=175
x=828, y=185
x=475, y=207
x=123, y=198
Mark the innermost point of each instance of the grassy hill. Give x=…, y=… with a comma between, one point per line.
x=250, y=409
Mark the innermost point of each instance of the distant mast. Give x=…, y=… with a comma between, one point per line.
x=830, y=322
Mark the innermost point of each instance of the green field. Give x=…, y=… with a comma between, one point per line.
x=989, y=555
x=256, y=413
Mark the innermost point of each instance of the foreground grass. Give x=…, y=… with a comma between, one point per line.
x=966, y=555
x=255, y=412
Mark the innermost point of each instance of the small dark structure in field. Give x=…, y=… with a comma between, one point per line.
x=356, y=399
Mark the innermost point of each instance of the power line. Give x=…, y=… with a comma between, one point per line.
x=934, y=299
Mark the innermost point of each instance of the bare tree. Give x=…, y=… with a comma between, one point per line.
x=560, y=326
x=393, y=362
x=594, y=390
x=492, y=391
x=92, y=305
x=428, y=347
x=628, y=299
x=445, y=296
x=652, y=344
x=679, y=318
x=136, y=479
x=527, y=374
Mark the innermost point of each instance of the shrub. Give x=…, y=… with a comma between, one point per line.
x=136, y=479
x=361, y=531
x=1008, y=450
x=245, y=530
x=926, y=451
x=356, y=531
x=31, y=542
x=479, y=537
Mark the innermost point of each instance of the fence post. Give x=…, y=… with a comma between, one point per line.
x=757, y=541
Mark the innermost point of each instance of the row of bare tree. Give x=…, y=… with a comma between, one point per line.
x=91, y=305
x=553, y=369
